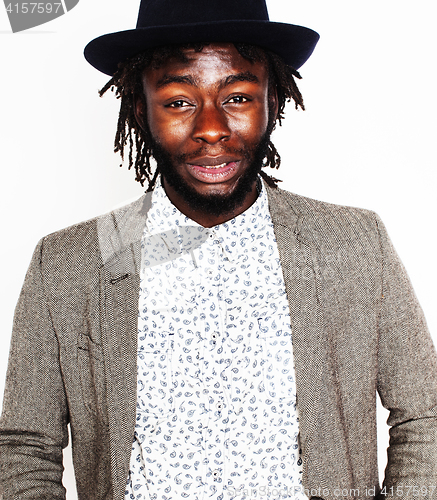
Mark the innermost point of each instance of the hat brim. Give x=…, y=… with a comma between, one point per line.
x=293, y=43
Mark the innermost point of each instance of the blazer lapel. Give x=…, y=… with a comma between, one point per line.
x=296, y=258
x=315, y=378
x=120, y=243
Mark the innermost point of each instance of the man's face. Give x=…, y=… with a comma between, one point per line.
x=208, y=118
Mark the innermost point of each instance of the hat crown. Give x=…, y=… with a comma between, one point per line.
x=164, y=22
x=176, y=12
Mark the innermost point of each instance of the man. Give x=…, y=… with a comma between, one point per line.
x=219, y=337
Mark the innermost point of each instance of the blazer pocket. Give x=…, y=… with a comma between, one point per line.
x=91, y=373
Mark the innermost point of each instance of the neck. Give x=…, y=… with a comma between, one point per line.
x=204, y=218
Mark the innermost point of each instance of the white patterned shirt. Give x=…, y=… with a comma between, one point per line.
x=216, y=395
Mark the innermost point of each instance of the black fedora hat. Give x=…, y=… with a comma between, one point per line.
x=162, y=22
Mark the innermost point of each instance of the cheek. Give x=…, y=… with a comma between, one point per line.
x=167, y=132
x=155, y=122
x=174, y=139
x=253, y=127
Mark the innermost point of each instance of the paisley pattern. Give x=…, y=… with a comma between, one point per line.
x=216, y=396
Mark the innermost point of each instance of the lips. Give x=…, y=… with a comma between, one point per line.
x=213, y=169
x=213, y=161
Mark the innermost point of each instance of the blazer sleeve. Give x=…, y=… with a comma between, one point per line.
x=33, y=425
x=407, y=383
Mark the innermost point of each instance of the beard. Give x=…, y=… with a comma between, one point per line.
x=213, y=204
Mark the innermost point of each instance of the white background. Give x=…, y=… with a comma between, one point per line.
x=368, y=137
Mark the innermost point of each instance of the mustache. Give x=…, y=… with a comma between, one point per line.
x=205, y=151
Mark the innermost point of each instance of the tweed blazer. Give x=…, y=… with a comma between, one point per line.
x=357, y=331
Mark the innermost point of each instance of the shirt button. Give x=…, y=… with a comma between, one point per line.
x=214, y=335
x=219, y=406
x=216, y=474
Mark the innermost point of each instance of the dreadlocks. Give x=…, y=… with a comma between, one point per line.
x=127, y=83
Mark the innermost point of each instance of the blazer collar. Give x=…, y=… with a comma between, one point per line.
x=120, y=231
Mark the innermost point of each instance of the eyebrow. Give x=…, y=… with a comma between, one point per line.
x=168, y=79
x=245, y=76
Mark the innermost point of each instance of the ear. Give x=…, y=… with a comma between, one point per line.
x=273, y=102
x=273, y=107
x=140, y=111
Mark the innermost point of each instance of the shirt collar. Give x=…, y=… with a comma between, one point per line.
x=181, y=234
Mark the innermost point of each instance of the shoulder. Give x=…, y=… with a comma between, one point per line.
x=322, y=222
x=313, y=209
x=92, y=239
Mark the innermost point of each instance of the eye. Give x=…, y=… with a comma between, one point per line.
x=237, y=99
x=180, y=103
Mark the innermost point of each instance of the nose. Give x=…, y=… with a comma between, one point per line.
x=211, y=125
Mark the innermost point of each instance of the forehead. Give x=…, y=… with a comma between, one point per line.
x=214, y=61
